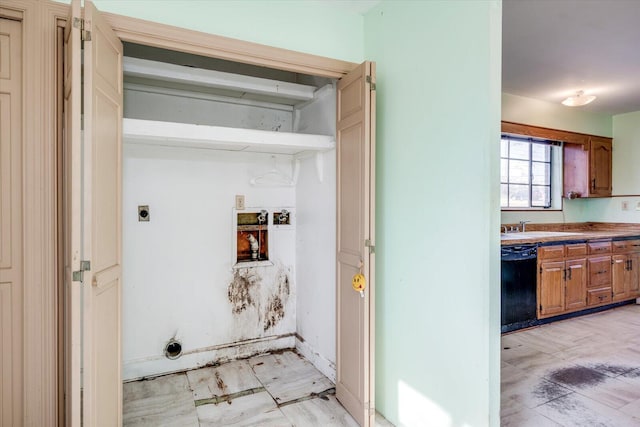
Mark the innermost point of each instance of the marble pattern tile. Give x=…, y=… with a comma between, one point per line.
x=325, y=411
x=228, y=378
x=257, y=409
x=171, y=400
x=165, y=401
x=287, y=376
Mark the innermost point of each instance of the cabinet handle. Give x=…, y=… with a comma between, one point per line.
x=593, y=184
x=569, y=271
x=602, y=271
x=630, y=265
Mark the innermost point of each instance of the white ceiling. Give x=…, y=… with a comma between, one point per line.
x=551, y=49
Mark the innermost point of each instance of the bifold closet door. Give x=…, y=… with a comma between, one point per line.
x=93, y=200
x=11, y=213
x=355, y=236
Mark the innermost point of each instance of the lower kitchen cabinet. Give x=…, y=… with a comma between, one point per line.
x=562, y=283
x=576, y=284
x=625, y=270
x=551, y=288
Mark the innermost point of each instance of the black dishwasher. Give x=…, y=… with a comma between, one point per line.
x=518, y=286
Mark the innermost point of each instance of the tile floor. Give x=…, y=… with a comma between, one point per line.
x=581, y=372
x=272, y=390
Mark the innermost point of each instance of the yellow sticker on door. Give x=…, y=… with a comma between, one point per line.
x=358, y=282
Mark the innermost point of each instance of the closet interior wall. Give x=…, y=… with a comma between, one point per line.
x=179, y=280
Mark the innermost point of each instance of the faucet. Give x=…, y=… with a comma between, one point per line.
x=523, y=224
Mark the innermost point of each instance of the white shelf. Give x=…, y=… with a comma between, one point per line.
x=151, y=132
x=233, y=84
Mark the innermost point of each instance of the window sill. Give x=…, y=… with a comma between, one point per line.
x=531, y=209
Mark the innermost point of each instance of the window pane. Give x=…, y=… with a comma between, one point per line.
x=504, y=170
x=519, y=150
x=504, y=195
x=519, y=196
x=519, y=172
x=540, y=196
x=541, y=173
x=504, y=148
x=540, y=152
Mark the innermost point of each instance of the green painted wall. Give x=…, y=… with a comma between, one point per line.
x=626, y=174
x=626, y=153
x=438, y=72
x=305, y=26
x=624, y=128
x=520, y=109
x=438, y=341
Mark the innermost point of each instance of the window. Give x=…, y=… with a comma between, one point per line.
x=526, y=172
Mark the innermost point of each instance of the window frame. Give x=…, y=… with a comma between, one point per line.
x=551, y=163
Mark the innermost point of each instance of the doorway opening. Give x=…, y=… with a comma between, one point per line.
x=235, y=166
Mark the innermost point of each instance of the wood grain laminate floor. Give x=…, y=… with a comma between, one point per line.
x=581, y=372
x=273, y=390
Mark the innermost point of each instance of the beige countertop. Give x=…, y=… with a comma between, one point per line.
x=543, y=233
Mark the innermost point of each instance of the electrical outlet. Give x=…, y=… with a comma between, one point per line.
x=625, y=205
x=638, y=206
x=239, y=202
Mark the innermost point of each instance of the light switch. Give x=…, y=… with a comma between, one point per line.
x=239, y=202
x=638, y=206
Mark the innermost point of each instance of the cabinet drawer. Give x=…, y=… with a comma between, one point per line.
x=551, y=252
x=599, y=271
x=623, y=246
x=576, y=249
x=598, y=296
x=599, y=247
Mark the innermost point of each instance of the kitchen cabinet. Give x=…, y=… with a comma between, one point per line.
x=562, y=280
x=625, y=270
x=599, y=266
x=587, y=168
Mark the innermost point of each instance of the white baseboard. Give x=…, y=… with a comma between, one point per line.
x=324, y=365
x=159, y=365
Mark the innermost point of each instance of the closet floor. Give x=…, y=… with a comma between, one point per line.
x=280, y=389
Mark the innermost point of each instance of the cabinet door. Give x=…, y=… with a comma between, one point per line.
x=634, y=275
x=620, y=276
x=551, y=288
x=599, y=271
x=600, y=166
x=576, y=284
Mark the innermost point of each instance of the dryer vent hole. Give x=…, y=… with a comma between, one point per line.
x=173, y=349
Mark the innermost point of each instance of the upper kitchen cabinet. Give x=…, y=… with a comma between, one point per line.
x=587, y=168
x=587, y=159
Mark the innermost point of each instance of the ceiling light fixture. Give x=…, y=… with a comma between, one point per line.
x=578, y=100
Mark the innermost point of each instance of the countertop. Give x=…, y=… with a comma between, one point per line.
x=543, y=233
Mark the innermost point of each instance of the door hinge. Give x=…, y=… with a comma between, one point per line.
x=85, y=35
x=372, y=247
x=78, y=276
x=371, y=82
